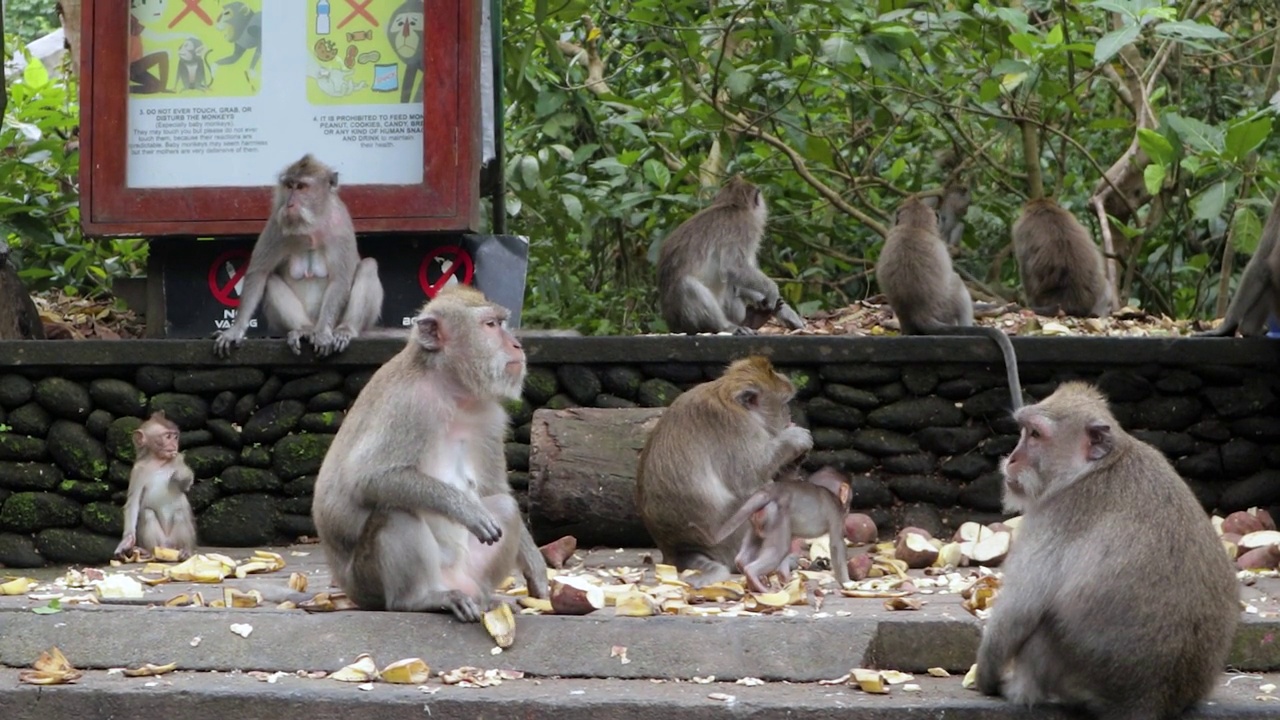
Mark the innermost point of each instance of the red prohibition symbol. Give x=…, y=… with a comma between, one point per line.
x=453, y=262
x=226, y=289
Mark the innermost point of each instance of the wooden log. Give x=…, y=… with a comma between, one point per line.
x=582, y=475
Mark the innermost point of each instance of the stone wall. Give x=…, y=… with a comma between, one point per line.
x=920, y=423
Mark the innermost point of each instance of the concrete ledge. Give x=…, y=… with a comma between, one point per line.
x=201, y=696
x=797, y=350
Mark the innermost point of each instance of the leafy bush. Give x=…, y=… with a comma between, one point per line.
x=40, y=196
x=28, y=20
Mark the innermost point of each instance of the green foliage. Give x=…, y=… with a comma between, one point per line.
x=39, y=192
x=29, y=20
x=624, y=116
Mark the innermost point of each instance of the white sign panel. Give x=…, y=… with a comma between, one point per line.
x=229, y=93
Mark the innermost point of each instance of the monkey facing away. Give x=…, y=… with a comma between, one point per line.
x=951, y=209
x=157, y=512
x=306, y=266
x=1060, y=266
x=708, y=277
x=709, y=451
x=926, y=293
x=785, y=510
x=1258, y=294
x=1117, y=596
x=412, y=501
x=19, y=319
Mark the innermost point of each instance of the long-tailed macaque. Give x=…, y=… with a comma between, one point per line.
x=1258, y=294
x=715, y=446
x=926, y=293
x=786, y=510
x=412, y=500
x=157, y=512
x=1061, y=267
x=951, y=208
x=19, y=318
x=708, y=275
x=1117, y=596
x=306, y=266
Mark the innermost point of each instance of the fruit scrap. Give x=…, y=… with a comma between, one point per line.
x=201, y=568
x=500, y=623
x=473, y=677
x=149, y=669
x=51, y=668
x=903, y=603
x=557, y=552
x=328, y=602
x=233, y=598
x=164, y=554
x=16, y=586
x=364, y=669
x=575, y=595
x=870, y=681
x=297, y=582
x=636, y=604
x=410, y=671
x=980, y=596
x=119, y=586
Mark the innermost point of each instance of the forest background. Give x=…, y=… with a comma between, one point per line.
x=1151, y=121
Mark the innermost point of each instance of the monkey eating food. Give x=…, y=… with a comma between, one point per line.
x=1258, y=295
x=306, y=268
x=1117, y=596
x=1060, y=266
x=786, y=510
x=157, y=512
x=709, y=279
x=926, y=293
x=412, y=501
x=709, y=451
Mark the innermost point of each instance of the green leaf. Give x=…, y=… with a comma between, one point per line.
x=1024, y=43
x=1190, y=29
x=573, y=206
x=528, y=165
x=1243, y=138
x=739, y=82
x=1113, y=42
x=1153, y=177
x=1200, y=136
x=1156, y=146
x=1246, y=230
x=657, y=174
x=54, y=606
x=35, y=75
x=1115, y=6
x=1210, y=203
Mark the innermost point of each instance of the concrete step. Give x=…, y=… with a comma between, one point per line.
x=807, y=645
x=218, y=696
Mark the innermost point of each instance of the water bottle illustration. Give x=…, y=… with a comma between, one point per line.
x=322, y=17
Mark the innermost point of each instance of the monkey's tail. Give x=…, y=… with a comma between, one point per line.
x=753, y=503
x=1006, y=349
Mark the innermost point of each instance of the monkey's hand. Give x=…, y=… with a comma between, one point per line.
x=126, y=544
x=485, y=528
x=295, y=338
x=464, y=607
x=342, y=337
x=322, y=342
x=799, y=439
x=224, y=340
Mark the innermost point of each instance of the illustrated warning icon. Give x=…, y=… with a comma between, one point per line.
x=226, y=276
x=444, y=266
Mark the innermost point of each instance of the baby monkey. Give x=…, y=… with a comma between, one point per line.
x=157, y=513
x=786, y=510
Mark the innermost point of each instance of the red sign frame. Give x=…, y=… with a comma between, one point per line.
x=447, y=199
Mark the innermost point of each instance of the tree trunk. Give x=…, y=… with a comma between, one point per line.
x=69, y=14
x=582, y=475
x=4, y=87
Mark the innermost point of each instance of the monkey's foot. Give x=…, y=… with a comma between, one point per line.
x=464, y=607
x=295, y=338
x=743, y=330
x=322, y=342
x=224, y=341
x=342, y=336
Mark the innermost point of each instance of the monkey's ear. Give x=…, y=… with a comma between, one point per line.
x=431, y=333
x=138, y=439
x=749, y=398
x=158, y=415
x=333, y=179
x=1100, y=440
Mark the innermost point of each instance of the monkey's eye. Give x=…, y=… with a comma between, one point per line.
x=1033, y=433
x=491, y=323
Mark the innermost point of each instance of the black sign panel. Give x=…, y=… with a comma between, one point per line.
x=203, y=278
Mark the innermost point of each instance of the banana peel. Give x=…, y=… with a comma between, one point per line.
x=500, y=623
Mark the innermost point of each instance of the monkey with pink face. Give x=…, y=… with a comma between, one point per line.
x=412, y=501
x=306, y=269
x=1117, y=598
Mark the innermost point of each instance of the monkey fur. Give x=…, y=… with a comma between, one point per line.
x=784, y=510
x=1258, y=294
x=412, y=501
x=708, y=277
x=306, y=266
x=1117, y=597
x=709, y=451
x=19, y=318
x=1060, y=266
x=925, y=292
x=156, y=511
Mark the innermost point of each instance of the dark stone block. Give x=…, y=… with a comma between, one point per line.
x=77, y=452
x=244, y=408
x=985, y=493
x=1178, y=382
x=239, y=521
x=863, y=374
x=22, y=448
x=1263, y=489
x=152, y=379
x=1259, y=429
x=924, y=488
x=540, y=385
x=29, y=476
x=866, y=492
x=1124, y=386
x=1205, y=465
x=118, y=397
x=267, y=393
x=805, y=381
x=517, y=455
x=15, y=391
x=30, y=419
x=831, y=439
x=657, y=392
x=223, y=405
x=1240, y=458
x=209, y=461
x=273, y=422
x=822, y=411
x=519, y=411
x=120, y=438
x=195, y=438
x=1207, y=493
x=305, y=485
x=256, y=456
x=848, y=461
x=676, y=372
x=951, y=441
x=875, y=441
x=202, y=494
x=1165, y=413
x=925, y=517
x=919, y=379
x=304, y=388
x=98, y=422
x=86, y=490
x=19, y=551
x=26, y=512
x=966, y=467
x=1211, y=430
x=188, y=412
x=356, y=381
x=621, y=380
x=298, y=455
x=238, y=479
x=960, y=389
x=104, y=518
x=522, y=433
x=580, y=382
x=329, y=400
x=852, y=396
x=916, y=414
x=296, y=526
x=560, y=401
x=322, y=422
x=605, y=400
x=225, y=433
x=1173, y=445
x=1229, y=403
x=890, y=392
x=913, y=464
x=989, y=404
x=64, y=398
x=118, y=473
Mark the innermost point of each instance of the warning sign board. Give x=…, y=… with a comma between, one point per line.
x=444, y=266
x=226, y=276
